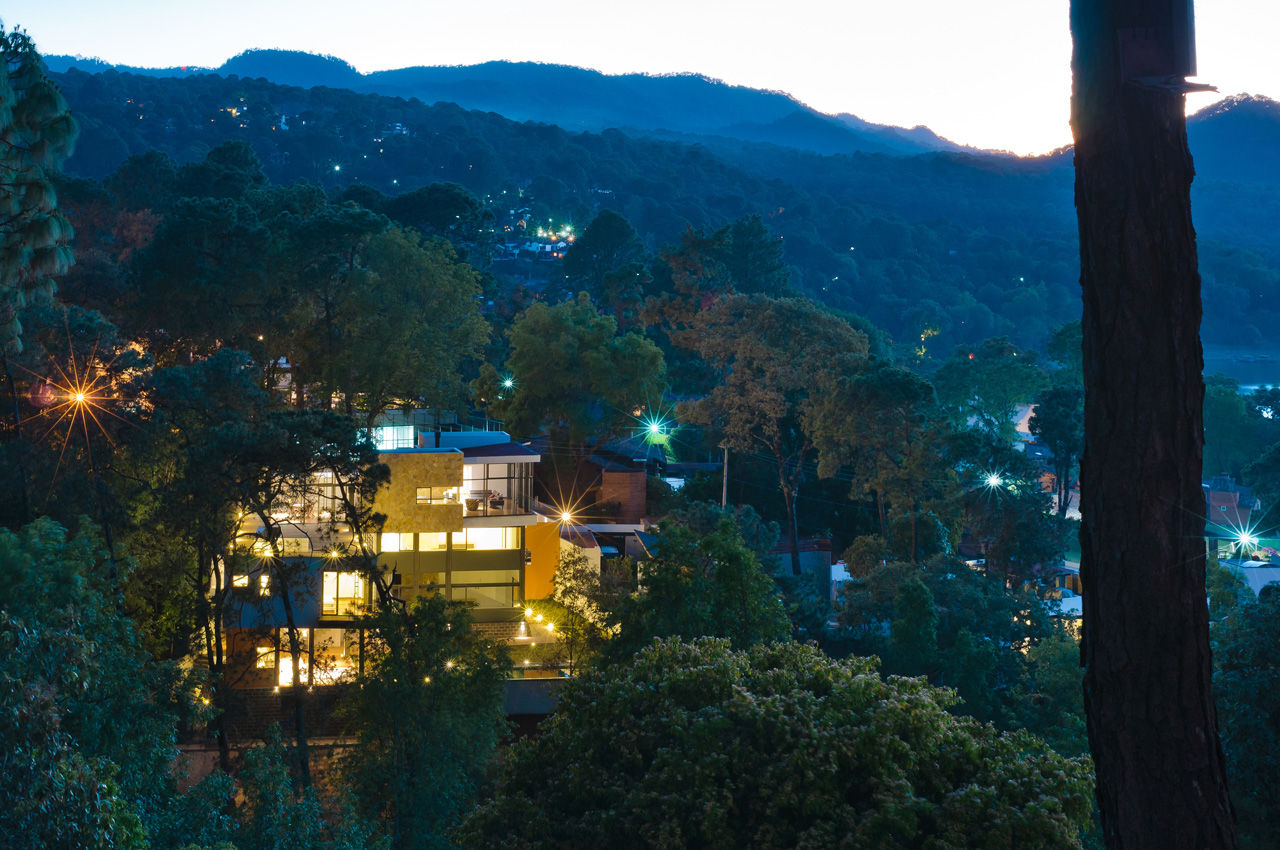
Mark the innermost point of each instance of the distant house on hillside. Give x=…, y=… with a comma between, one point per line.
x=1232, y=509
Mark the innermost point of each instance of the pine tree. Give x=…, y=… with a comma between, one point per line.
x=36, y=133
x=1151, y=718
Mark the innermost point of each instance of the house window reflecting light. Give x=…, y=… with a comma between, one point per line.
x=433, y=541
x=336, y=656
x=284, y=675
x=390, y=437
x=343, y=593
x=487, y=538
x=437, y=495
x=395, y=542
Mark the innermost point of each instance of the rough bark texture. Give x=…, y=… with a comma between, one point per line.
x=1151, y=720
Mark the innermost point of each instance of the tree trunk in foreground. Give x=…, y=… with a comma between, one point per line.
x=1151, y=719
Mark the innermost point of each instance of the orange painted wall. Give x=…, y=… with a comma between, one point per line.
x=543, y=542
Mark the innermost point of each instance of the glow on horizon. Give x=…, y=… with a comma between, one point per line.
x=992, y=73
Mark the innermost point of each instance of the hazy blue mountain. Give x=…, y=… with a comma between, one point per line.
x=1237, y=139
x=93, y=65
x=896, y=137
x=580, y=99
x=293, y=68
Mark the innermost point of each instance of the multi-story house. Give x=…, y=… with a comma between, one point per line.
x=458, y=522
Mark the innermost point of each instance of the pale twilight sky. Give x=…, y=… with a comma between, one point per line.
x=990, y=73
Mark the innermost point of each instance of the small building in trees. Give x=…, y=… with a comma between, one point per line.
x=1232, y=509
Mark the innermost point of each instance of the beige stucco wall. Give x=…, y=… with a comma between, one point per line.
x=399, y=499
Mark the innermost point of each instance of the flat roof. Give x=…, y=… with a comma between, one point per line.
x=508, y=452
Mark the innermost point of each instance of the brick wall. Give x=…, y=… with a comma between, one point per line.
x=252, y=711
x=627, y=489
x=498, y=631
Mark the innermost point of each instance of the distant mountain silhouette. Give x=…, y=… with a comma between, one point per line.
x=1237, y=139
x=292, y=68
x=579, y=99
x=919, y=136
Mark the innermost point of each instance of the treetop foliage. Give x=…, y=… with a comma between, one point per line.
x=697, y=744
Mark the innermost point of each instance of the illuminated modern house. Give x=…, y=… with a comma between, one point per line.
x=458, y=522
x=457, y=514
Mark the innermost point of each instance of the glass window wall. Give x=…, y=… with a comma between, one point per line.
x=342, y=593
x=496, y=489
x=487, y=538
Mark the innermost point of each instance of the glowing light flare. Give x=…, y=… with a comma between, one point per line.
x=567, y=509
x=654, y=426
x=77, y=396
x=1246, y=540
x=993, y=480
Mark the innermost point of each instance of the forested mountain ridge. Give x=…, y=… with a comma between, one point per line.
x=576, y=99
x=965, y=246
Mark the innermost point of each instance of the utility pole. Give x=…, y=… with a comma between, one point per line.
x=724, y=479
x=1151, y=720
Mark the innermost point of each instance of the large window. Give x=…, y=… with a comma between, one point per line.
x=487, y=588
x=487, y=538
x=326, y=656
x=336, y=654
x=389, y=437
x=395, y=542
x=437, y=495
x=500, y=489
x=284, y=674
x=342, y=594
x=433, y=541
x=318, y=499
x=486, y=597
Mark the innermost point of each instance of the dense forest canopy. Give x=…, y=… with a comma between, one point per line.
x=957, y=247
